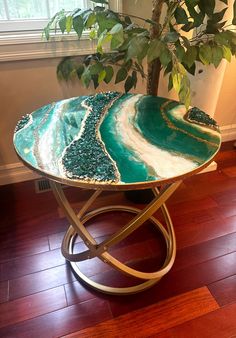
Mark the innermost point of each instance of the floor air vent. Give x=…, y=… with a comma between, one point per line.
x=42, y=186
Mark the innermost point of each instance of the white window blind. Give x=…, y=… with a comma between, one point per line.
x=25, y=15
x=21, y=24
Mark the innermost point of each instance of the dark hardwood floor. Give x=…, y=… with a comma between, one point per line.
x=40, y=297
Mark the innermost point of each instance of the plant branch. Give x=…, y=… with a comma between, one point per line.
x=133, y=16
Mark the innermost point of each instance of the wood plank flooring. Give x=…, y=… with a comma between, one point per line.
x=40, y=296
x=156, y=318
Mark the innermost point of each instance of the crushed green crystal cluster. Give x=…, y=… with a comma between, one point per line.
x=23, y=122
x=86, y=158
x=196, y=115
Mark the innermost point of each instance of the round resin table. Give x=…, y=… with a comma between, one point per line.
x=114, y=141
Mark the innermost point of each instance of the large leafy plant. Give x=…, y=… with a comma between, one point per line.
x=125, y=43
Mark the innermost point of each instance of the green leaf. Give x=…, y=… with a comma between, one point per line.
x=197, y=16
x=207, y=6
x=176, y=80
x=137, y=48
x=185, y=41
x=234, y=13
x=171, y=37
x=95, y=68
x=165, y=56
x=113, y=14
x=105, y=22
x=65, y=68
x=52, y=23
x=117, y=36
x=128, y=65
x=190, y=56
x=91, y=20
x=103, y=38
x=154, y=50
x=125, y=45
x=109, y=74
x=205, y=54
x=181, y=69
x=180, y=51
x=87, y=59
x=85, y=14
x=192, y=3
x=221, y=38
x=86, y=78
x=95, y=81
x=180, y=16
x=75, y=12
x=227, y=53
x=129, y=83
x=214, y=27
x=170, y=83
x=69, y=23
x=46, y=32
x=168, y=68
x=116, y=29
x=128, y=21
x=121, y=75
x=93, y=34
x=231, y=37
x=135, y=79
x=99, y=8
x=116, y=41
x=80, y=70
x=184, y=93
x=191, y=70
x=62, y=24
x=217, y=17
x=134, y=30
x=101, y=76
x=78, y=25
x=217, y=55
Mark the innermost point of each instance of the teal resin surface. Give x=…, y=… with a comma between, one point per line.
x=116, y=139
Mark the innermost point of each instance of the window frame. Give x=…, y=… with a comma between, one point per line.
x=29, y=45
x=8, y=27
x=23, y=25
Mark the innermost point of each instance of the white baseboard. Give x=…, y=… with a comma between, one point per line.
x=15, y=173
x=228, y=133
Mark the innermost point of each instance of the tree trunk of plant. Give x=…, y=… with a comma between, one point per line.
x=154, y=68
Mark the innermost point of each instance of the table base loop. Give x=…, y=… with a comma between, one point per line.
x=77, y=228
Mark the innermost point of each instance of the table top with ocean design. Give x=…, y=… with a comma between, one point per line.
x=116, y=141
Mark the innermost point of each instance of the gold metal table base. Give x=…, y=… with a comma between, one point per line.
x=77, y=228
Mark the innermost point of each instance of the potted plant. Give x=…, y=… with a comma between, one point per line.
x=179, y=35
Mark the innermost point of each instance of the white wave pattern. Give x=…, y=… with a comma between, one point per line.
x=163, y=163
x=48, y=140
x=180, y=111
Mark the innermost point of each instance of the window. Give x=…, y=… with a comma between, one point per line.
x=24, y=15
x=21, y=23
